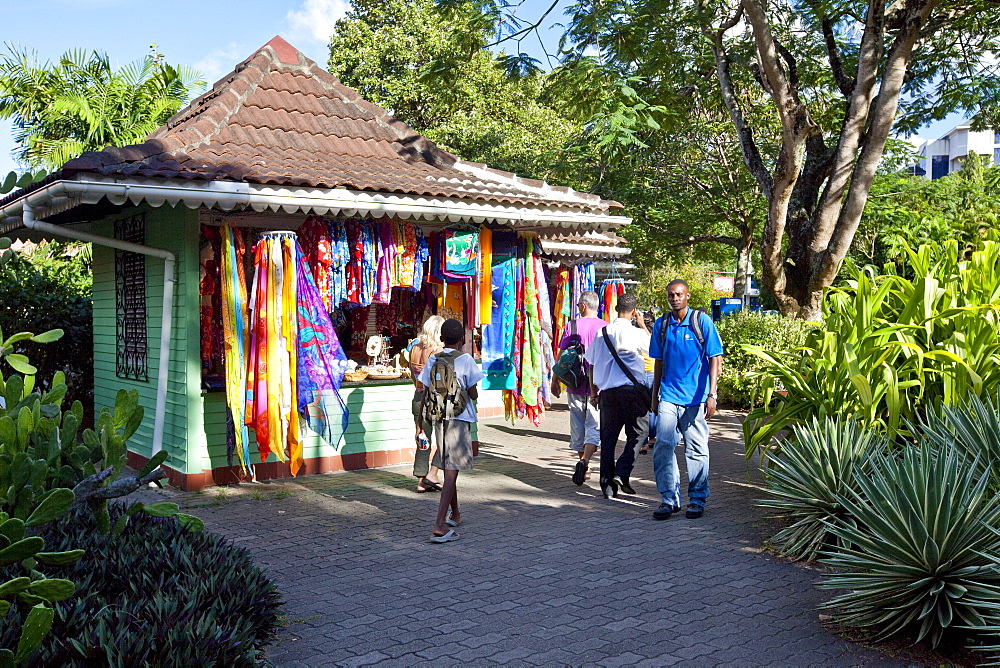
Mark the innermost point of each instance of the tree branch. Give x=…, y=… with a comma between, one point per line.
x=706, y=238
x=897, y=63
x=853, y=133
x=793, y=68
x=796, y=126
x=748, y=145
x=844, y=83
x=526, y=30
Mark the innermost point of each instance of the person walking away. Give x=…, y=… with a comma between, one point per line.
x=450, y=377
x=428, y=343
x=584, y=418
x=688, y=360
x=617, y=383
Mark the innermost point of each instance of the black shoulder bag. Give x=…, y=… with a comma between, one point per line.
x=643, y=397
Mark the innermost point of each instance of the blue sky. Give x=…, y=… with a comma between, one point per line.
x=211, y=36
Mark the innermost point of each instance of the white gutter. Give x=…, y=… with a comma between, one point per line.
x=229, y=195
x=169, y=278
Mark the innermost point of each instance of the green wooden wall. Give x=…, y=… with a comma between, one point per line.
x=379, y=420
x=175, y=230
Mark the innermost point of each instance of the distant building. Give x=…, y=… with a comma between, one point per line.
x=945, y=155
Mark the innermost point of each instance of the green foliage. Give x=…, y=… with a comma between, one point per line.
x=25, y=505
x=49, y=287
x=740, y=382
x=81, y=103
x=155, y=595
x=891, y=346
x=431, y=70
x=806, y=481
x=652, y=291
x=40, y=459
x=908, y=211
x=922, y=555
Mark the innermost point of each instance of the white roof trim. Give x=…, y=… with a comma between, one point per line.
x=61, y=196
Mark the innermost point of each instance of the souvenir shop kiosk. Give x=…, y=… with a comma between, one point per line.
x=262, y=261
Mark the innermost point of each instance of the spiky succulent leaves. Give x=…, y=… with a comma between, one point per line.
x=973, y=427
x=918, y=558
x=809, y=474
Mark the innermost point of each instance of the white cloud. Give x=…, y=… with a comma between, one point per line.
x=221, y=61
x=315, y=20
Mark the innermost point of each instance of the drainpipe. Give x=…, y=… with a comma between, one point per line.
x=169, y=278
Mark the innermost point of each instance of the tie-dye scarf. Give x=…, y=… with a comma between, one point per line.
x=235, y=326
x=321, y=363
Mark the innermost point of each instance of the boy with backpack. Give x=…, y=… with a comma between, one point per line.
x=450, y=378
x=688, y=360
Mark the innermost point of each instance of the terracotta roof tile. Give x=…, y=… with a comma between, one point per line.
x=279, y=119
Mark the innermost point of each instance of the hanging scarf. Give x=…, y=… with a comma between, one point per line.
x=498, y=335
x=485, y=275
x=562, y=309
x=234, y=327
x=314, y=238
x=531, y=356
x=269, y=377
x=321, y=364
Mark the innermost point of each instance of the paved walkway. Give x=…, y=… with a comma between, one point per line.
x=545, y=573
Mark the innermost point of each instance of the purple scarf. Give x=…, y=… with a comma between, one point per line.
x=321, y=362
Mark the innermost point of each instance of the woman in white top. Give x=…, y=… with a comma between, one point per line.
x=428, y=343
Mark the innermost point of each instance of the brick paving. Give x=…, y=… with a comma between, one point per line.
x=544, y=573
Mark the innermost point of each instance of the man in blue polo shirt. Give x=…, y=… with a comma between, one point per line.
x=687, y=372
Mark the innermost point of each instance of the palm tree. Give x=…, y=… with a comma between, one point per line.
x=82, y=103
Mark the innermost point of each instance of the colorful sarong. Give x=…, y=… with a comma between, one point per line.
x=321, y=365
x=498, y=336
x=235, y=326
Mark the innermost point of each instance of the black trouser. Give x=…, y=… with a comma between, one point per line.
x=617, y=411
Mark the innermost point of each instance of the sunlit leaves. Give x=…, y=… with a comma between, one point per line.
x=82, y=103
x=519, y=65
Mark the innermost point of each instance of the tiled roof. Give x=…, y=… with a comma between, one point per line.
x=280, y=119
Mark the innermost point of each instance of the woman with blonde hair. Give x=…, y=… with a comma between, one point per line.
x=428, y=343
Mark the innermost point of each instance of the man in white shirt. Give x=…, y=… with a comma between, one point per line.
x=619, y=393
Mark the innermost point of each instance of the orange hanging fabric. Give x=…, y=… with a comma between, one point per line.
x=485, y=276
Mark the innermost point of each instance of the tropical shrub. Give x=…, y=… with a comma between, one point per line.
x=920, y=555
x=652, y=291
x=740, y=382
x=39, y=447
x=46, y=288
x=155, y=595
x=25, y=506
x=810, y=476
x=891, y=346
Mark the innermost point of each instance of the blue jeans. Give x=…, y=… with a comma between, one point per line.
x=676, y=421
x=651, y=416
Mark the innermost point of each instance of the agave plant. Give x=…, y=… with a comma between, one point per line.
x=807, y=479
x=973, y=427
x=921, y=553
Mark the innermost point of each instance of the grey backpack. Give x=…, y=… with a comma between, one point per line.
x=445, y=398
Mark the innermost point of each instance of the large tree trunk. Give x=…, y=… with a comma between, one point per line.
x=744, y=252
x=808, y=234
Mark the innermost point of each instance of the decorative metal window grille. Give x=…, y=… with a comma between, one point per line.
x=130, y=302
